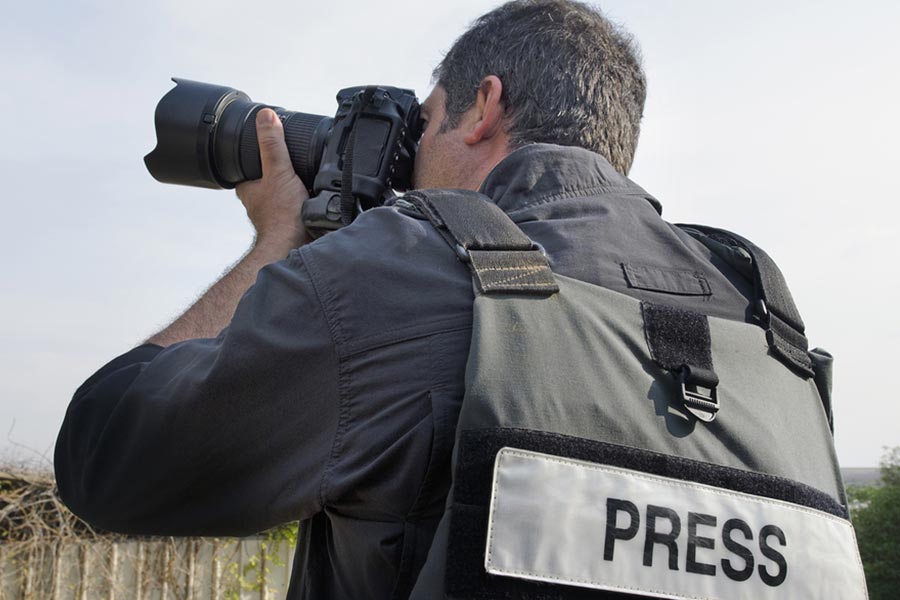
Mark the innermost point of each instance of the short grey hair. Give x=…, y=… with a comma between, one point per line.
x=570, y=76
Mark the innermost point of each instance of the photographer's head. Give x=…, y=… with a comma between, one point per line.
x=461, y=156
x=531, y=71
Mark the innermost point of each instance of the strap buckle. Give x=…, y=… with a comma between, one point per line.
x=761, y=312
x=698, y=392
x=462, y=253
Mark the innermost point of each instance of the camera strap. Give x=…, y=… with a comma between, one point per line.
x=348, y=200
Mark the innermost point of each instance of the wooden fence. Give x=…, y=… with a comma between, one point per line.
x=157, y=569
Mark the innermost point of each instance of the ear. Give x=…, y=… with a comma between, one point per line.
x=489, y=111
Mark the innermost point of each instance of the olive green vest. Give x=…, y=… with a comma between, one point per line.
x=596, y=391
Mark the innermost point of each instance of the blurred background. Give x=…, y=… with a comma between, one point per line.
x=776, y=120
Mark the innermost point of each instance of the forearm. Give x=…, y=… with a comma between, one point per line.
x=273, y=204
x=213, y=310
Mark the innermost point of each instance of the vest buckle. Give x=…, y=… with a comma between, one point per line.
x=698, y=392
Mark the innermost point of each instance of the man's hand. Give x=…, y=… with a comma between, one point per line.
x=273, y=204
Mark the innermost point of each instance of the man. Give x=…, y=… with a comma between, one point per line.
x=328, y=390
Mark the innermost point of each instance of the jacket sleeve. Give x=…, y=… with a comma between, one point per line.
x=224, y=436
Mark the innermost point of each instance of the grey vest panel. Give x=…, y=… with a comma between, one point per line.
x=584, y=374
x=578, y=363
x=523, y=372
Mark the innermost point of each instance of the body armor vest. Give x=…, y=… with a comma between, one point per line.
x=613, y=448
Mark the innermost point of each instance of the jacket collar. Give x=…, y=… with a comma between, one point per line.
x=540, y=173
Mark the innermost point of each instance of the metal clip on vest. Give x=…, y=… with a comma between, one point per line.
x=698, y=391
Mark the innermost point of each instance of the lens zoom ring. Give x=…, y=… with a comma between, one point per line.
x=250, y=162
x=299, y=129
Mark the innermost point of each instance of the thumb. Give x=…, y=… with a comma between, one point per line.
x=273, y=151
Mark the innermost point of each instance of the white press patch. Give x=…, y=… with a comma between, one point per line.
x=588, y=525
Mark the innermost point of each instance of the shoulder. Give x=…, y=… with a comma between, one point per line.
x=379, y=239
x=386, y=275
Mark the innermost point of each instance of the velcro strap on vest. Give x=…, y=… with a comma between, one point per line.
x=679, y=341
x=501, y=257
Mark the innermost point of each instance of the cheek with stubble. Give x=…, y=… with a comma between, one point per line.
x=418, y=168
x=423, y=166
x=435, y=162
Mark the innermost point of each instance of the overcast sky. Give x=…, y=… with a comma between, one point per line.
x=778, y=120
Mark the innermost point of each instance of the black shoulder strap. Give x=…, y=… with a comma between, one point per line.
x=502, y=258
x=774, y=305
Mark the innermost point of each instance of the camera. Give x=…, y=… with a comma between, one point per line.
x=206, y=137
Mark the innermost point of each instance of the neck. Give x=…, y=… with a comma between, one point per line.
x=481, y=167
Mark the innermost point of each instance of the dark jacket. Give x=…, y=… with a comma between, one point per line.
x=332, y=397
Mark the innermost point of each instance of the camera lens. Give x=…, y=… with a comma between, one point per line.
x=237, y=148
x=206, y=137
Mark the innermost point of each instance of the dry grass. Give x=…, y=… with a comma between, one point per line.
x=31, y=511
x=48, y=552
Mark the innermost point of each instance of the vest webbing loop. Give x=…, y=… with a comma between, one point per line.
x=501, y=257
